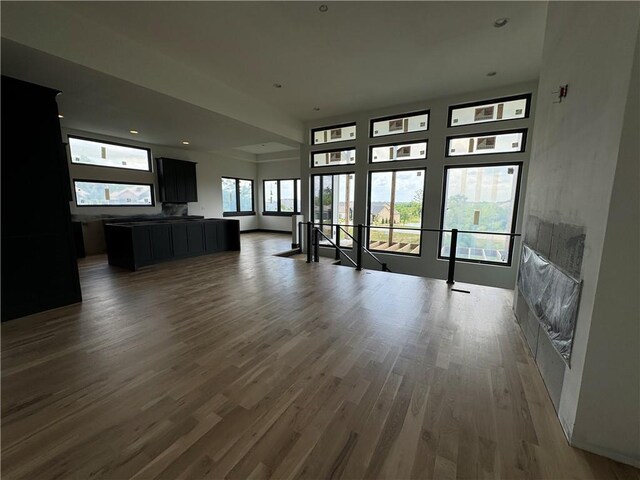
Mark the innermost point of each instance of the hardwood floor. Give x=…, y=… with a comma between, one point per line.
x=247, y=365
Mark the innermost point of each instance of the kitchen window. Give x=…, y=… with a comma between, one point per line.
x=107, y=154
x=91, y=193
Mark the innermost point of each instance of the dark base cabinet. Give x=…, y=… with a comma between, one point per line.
x=135, y=245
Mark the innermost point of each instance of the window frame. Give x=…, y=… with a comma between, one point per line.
x=412, y=142
x=240, y=213
x=514, y=219
x=509, y=98
x=332, y=150
x=368, y=218
x=398, y=116
x=296, y=200
x=331, y=127
x=523, y=144
x=95, y=140
x=116, y=182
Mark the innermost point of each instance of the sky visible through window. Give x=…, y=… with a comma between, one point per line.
x=91, y=152
x=408, y=183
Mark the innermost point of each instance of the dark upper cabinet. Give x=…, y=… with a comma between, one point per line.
x=190, y=183
x=177, y=180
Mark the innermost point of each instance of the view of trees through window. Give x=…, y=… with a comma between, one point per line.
x=229, y=198
x=333, y=197
x=396, y=201
x=114, y=194
x=281, y=196
x=237, y=193
x=481, y=199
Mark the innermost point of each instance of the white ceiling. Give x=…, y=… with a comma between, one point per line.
x=357, y=56
x=94, y=102
x=268, y=147
x=224, y=57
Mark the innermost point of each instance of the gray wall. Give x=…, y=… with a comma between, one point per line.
x=577, y=154
x=428, y=264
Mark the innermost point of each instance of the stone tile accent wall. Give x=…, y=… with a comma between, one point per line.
x=563, y=245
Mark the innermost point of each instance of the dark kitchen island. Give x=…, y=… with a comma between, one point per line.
x=136, y=244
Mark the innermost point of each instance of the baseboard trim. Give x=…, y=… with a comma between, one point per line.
x=264, y=230
x=618, y=457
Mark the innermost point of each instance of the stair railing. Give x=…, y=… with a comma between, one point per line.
x=314, y=232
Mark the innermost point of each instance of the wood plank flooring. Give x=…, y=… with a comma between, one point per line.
x=246, y=365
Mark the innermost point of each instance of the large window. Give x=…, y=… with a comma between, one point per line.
x=481, y=198
x=237, y=197
x=105, y=154
x=281, y=197
x=395, y=125
x=511, y=141
x=396, y=152
x=334, y=157
x=336, y=133
x=90, y=193
x=497, y=110
x=333, y=198
x=396, y=201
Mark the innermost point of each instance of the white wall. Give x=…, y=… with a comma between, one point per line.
x=211, y=166
x=428, y=264
x=273, y=170
x=575, y=149
x=611, y=380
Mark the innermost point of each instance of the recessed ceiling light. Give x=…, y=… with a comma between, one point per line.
x=277, y=85
x=491, y=74
x=500, y=22
x=323, y=8
x=185, y=142
x=317, y=109
x=135, y=132
x=60, y=116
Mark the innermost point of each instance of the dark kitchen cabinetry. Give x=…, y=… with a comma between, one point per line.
x=177, y=180
x=39, y=266
x=136, y=244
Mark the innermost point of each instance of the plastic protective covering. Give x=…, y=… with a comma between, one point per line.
x=553, y=296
